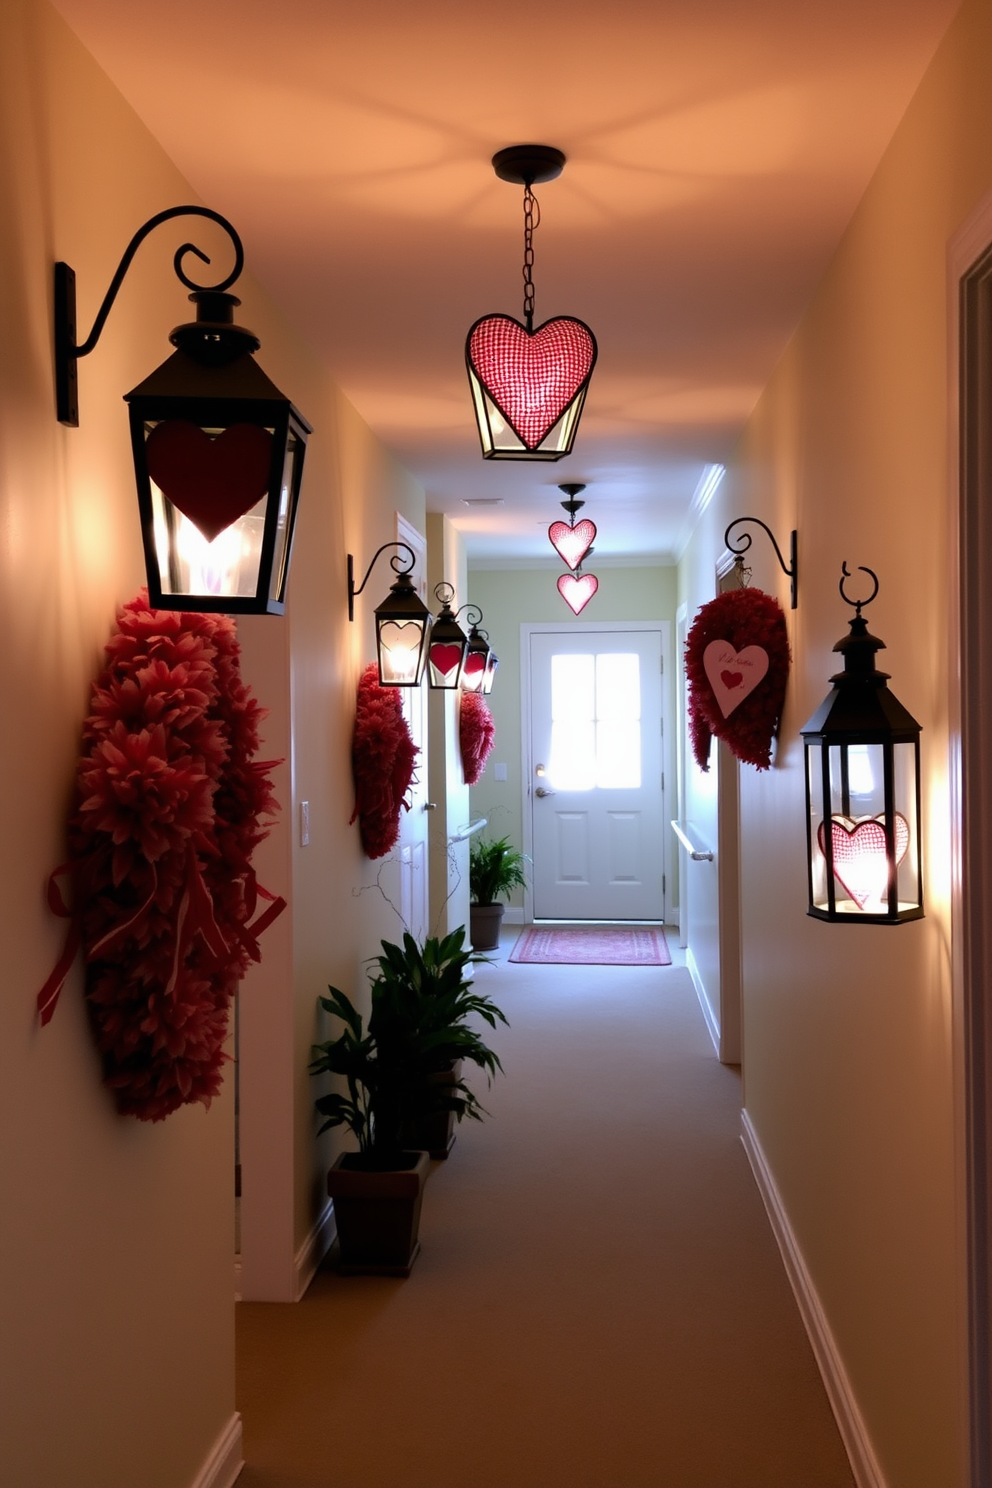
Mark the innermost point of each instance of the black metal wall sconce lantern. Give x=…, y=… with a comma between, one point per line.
x=863, y=827
x=528, y=386
x=402, y=622
x=477, y=653
x=742, y=543
x=218, y=450
x=448, y=644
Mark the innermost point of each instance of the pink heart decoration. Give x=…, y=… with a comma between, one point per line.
x=212, y=481
x=860, y=864
x=445, y=658
x=532, y=377
x=577, y=590
x=572, y=543
x=733, y=674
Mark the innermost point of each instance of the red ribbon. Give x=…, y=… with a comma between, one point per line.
x=195, y=916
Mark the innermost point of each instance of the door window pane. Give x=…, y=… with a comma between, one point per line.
x=596, y=722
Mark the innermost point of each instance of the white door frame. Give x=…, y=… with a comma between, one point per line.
x=592, y=627
x=970, y=719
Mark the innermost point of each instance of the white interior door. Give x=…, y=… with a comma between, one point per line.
x=595, y=767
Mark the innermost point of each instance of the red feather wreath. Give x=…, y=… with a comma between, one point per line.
x=477, y=735
x=383, y=759
x=170, y=809
x=737, y=665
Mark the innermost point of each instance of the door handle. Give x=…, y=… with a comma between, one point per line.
x=540, y=791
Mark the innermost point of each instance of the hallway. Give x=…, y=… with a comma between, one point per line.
x=599, y=1300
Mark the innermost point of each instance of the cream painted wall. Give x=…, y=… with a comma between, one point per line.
x=511, y=597
x=117, y=1238
x=848, y=1031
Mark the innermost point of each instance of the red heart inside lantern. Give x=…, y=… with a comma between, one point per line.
x=577, y=590
x=860, y=862
x=475, y=664
x=445, y=658
x=212, y=481
x=572, y=543
x=531, y=376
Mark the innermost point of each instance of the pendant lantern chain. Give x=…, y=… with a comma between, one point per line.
x=532, y=220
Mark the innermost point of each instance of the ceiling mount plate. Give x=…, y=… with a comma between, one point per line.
x=527, y=164
x=571, y=488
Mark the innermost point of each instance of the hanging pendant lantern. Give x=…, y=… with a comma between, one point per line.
x=528, y=385
x=863, y=791
x=448, y=644
x=572, y=540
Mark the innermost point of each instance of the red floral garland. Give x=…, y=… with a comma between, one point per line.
x=383, y=760
x=743, y=617
x=477, y=735
x=170, y=808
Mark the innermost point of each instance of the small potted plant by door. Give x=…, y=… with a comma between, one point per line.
x=494, y=869
x=388, y=1071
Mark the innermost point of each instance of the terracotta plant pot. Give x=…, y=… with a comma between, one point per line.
x=378, y=1215
x=484, y=926
x=435, y=1132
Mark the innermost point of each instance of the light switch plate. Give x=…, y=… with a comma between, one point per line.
x=499, y=772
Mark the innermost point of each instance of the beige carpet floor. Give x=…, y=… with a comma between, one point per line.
x=599, y=1301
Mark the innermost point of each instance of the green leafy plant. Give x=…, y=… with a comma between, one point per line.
x=494, y=869
x=421, y=1003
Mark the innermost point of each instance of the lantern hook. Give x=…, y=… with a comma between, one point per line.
x=444, y=593
x=469, y=608
x=396, y=563
x=858, y=604
x=67, y=352
x=741, y=544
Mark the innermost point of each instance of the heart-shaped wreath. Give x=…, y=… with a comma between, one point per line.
x=171, y=805
x=383, y=759
x=477, y=735
x=737, y=664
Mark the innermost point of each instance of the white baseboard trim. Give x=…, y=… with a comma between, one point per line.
x=314, y=1248
x=225, y=1462
x=709, y=1017
x=843, y=1402
x=513, y=915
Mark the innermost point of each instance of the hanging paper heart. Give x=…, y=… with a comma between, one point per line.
x=733, y=674
x=531, y=376
x=445, y=658
x=475, y=665
x=577, y=590
x=215, y=481
x=860, y=863
x=572, y=543
x=401, y=640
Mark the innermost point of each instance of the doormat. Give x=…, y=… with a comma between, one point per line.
x=592, y=945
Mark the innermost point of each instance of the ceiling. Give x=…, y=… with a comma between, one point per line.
x=716, y=150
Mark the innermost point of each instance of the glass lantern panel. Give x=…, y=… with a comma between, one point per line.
x=855, y=819
x=444, y=659
x=474, y=671
x=191, y=563
x=284, y=520
x=399, y=648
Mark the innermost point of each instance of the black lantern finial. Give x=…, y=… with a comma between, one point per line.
x=528, y=386
x=862, y=751
x=218, y=449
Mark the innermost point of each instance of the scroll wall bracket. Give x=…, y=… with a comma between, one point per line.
x=742, y=543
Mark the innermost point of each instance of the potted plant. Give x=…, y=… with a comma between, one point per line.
x=417, y=1031
x=494, y=869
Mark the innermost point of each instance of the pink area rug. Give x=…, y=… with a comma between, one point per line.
x=592, y=945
